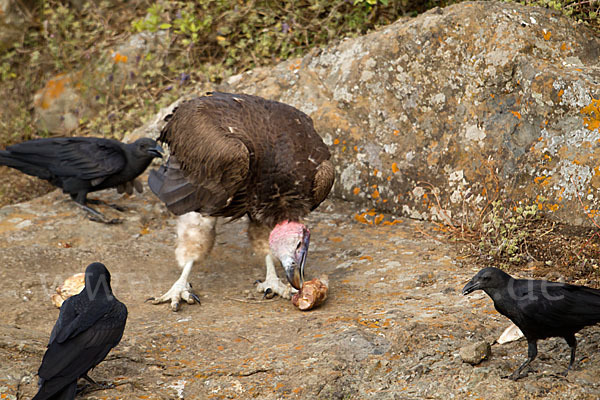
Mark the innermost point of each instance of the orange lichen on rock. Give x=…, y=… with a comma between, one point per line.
x=118, y=57
x=547, y=35
x=311, y=294
x=591, y=120
x=53, y=89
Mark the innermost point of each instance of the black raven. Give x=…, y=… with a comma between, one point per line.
x=541, y=309
x=89, y=325
x=80, y=165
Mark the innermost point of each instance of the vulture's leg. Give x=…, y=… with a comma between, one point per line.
x=259, y=238
x=195, y=239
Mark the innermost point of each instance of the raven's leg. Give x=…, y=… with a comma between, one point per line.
x=111, y=205
x=95, y=215
x=259, y=238
x=195, y=239
x=572, y=342
x=531, y=355
x=99, y=385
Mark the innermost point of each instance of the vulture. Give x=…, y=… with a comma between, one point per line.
x=233, y=155
x=79, y=165
x=89, y=325
x=541, y=309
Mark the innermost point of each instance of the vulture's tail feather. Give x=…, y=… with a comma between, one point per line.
x=170, y=185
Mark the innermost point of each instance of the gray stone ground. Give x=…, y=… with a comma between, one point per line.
x=391, y=328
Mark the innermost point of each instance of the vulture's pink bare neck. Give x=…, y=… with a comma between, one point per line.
x=284, y=231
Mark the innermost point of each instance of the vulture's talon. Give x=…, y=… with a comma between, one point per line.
x=179, y=291
x=195, y=297
x=269, y=294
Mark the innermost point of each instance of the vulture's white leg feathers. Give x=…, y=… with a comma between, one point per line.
x=195, y=239
x=273, y=282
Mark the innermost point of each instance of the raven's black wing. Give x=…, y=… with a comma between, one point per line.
x=78, y=157
x=68, y=359
x=557, y=306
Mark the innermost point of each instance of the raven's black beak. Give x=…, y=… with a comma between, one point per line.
x=156, y=151
x=470, y=287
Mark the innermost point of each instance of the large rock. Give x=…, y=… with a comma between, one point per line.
x=11, y=24
x=67, y=98
x=438, y=114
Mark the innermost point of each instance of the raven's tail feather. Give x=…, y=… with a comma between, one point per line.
x=48, y=392
x=7, y=159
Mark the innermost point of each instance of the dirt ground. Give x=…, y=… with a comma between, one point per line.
x=391, y=328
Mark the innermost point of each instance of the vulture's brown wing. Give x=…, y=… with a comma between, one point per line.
x=234, y=154
x=208, y=165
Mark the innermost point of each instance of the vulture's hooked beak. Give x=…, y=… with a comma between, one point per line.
x=156, y=151
x=470, y=287
x=294, y=266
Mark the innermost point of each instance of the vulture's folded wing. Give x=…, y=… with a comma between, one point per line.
x=209, y=162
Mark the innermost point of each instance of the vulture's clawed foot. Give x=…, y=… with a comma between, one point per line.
x=272, y=287
x=179, y=291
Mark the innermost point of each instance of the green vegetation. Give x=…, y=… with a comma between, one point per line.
x=586, y=11
x=208, y=40
x=202, y=41
x=505, y=231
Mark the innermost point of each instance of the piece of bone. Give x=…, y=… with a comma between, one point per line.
x=312, y=294
x=71, y=286
x=510, y=334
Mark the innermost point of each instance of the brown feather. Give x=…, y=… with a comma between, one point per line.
x=243, y=154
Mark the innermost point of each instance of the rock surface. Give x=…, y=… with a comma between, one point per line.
x=475, y=353
x=11, y=24
x=433, y=117
x=391, y=328
x=67, y=98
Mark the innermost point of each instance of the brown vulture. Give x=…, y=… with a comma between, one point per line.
x=234, y=155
